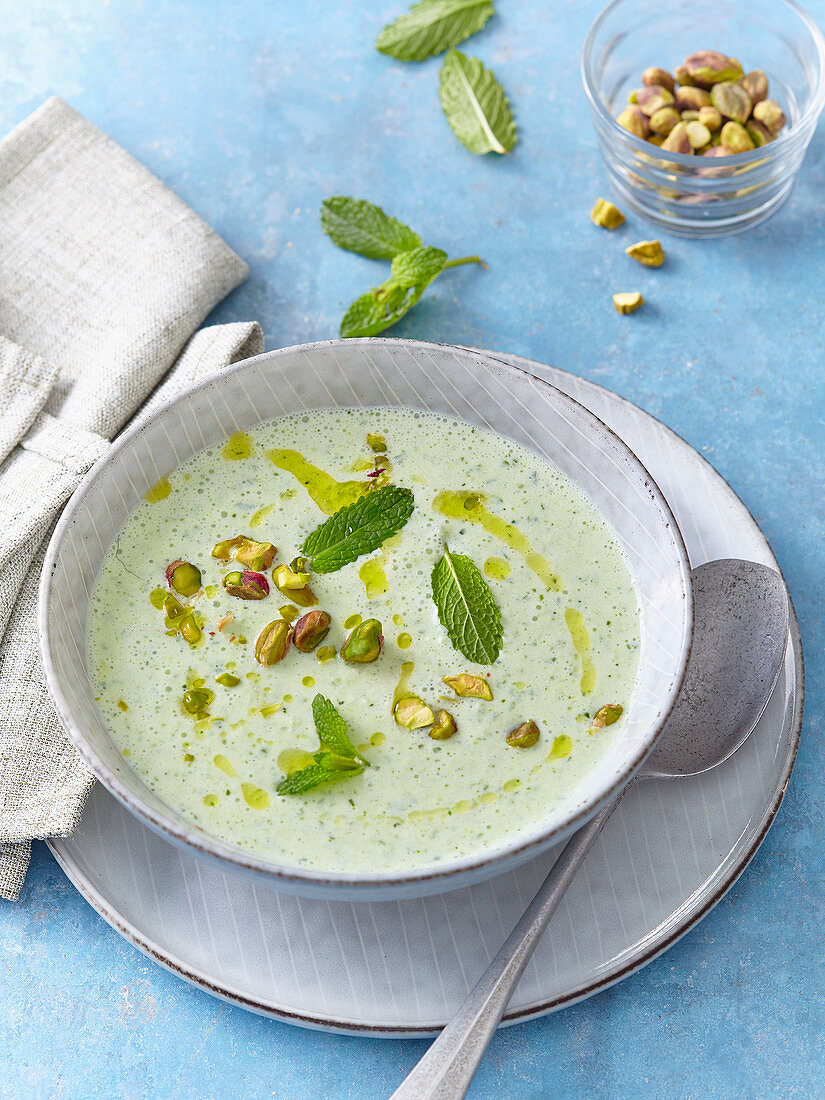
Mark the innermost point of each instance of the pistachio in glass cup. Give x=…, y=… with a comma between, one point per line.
x=697, y=196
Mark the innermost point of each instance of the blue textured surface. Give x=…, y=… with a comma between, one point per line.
x=253, y=112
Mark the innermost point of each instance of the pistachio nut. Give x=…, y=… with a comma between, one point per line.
x=677, y=141
x=606, y=716
x=770, y=114
x=732, y=101
x=184, y=577
x=711, y=118
x=691, y=99
x=682, y=76
x=189, y=629
x=376, y=442
x=634, y=121
x=759, y=133
x=628, y=301
x=755, y=84
x=689, y=116
x=223, y=551
x=444, y=726
x=606, y=215
x=657, y=139
x=718, y=151
x=649, y=253
x=524, y=736
x=412, y=713
x=294, y=585
x=273, y=642
x=652, y=99
x=246, y=585
x=736, y=137
x=708, y=67
x=662, y=77
x=255, y=555
x=469, y=687
x=364, y=644
x=663, y=121
x=698, y=135
x=197, y=700
x=310, y=630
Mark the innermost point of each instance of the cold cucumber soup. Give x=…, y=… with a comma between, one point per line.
x=364, y=639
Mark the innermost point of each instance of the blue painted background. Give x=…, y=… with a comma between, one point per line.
x=255, y=110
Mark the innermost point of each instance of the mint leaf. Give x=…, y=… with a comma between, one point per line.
x=337, y=758
x=358, y=528
x=418, y=267
x=432, y=26
x=361, y=226
x=332, y=729
x=316, y=775
x=466, y=608
x=475, y=105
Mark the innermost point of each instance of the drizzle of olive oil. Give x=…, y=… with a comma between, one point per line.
x=402, y=689
x=581, y=643
x=471, y=507
x=378, y=738
x=254, y=796
x=352, y=621
x=562, y=746
x=221, y=762
x=511, y=785
x=159, y=491
x=497, y=568
x=210, y=800
x=374, y=578
x=238, y=446
x=259, y=516
x=291, y=761
x=404, y=641
x=328, y=494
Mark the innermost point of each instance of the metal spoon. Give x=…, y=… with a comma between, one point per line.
x=739, y=640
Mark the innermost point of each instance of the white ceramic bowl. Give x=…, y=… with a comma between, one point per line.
x=456, y=381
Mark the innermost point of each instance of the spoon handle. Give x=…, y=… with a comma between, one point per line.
x=448, y=1067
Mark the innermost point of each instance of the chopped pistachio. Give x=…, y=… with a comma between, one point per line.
x=606, y=716
x=444, y=726
x=157, y=598
x=605, y=214
x=226, y=679
x=310, y=630
x=469, y=687
x=627, y=301
x=649, y=253
x=223, y=551
x=246, y=585
x=412, y=713
x=524, y=736
x=325, y=653
x=376, y=442
x=294, y=585
x=273, y=642
x=364, y=644
x=184, y=577
x=255, y=555
x=197, y=700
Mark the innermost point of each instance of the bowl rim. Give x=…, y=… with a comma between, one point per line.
x=311, y=880
x=808, y=117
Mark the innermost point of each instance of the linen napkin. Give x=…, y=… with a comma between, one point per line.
x=104, y=277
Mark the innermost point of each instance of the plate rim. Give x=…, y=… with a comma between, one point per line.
x=317, y=1021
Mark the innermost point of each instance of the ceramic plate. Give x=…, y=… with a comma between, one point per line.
x=401, y=968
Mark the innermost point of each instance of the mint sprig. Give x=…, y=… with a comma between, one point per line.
x=466, y=608
x=476, y=107
x=336, y=759
x=361, y=226
x=358, y=528
x=432, y=26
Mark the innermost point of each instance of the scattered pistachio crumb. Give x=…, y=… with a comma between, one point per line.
x=649, y=253
x=627, y=301
x=606, y=215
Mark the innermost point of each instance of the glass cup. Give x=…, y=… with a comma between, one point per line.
x=694, y=196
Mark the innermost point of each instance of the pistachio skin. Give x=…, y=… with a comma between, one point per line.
x=310, y=630
x=649, y=253
x=662, y=77
x=711, y=118
x=184, y=577
x=709, y=67
x=678, y=141
x=736, y=137
x=444, y=726
x=770, y=114
x=273, y=643
x=691, y=99
x=755, y=84
x=246, y=585
x=627, y=301
x=364, y=644
x=663, y=121
x=652, y=99
x=634, y=121
x=255, y=555
x=469, y=687
x=524, y=736
x=759, y=133
x=606, y=215
x=606, y=716
x=731, y=101
x=412, y=713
